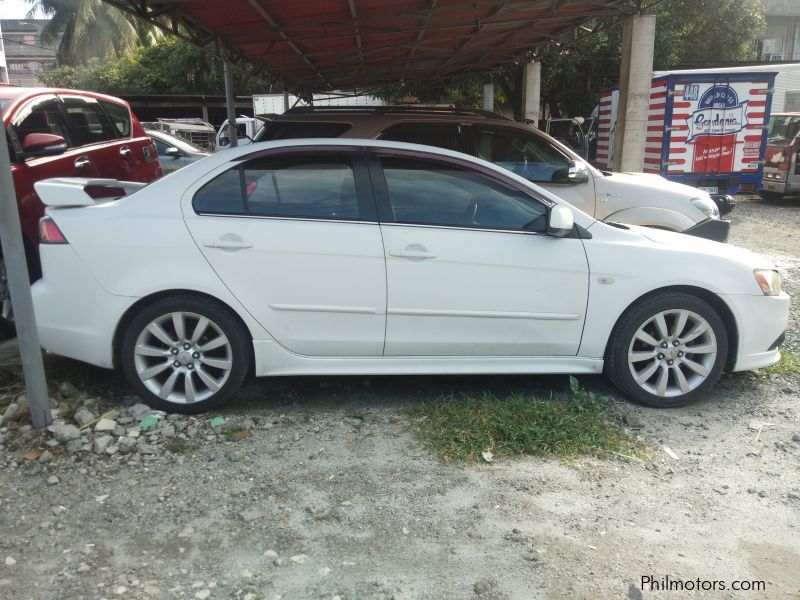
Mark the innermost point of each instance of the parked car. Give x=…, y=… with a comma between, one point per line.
x=633, y=198
x=782, y=163
x=67, y=133
x=342, y=256
x=174, y=152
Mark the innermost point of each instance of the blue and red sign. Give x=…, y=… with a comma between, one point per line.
x=718, y=113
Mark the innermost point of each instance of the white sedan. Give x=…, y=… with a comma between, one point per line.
x=312, y=257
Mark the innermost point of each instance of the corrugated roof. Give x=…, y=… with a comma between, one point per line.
x=325, y=44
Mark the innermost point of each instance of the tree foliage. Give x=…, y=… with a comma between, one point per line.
x=170, y=66
x=90, y=29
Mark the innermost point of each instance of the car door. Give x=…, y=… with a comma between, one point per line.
x=470, y=269
x=91, y=129
x=293, y=235
x=42, y=114
x=535, y=158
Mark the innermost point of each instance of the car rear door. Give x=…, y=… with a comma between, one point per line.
x=294, y=236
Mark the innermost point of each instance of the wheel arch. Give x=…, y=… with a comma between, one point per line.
x=132, y=310
x=717, y=303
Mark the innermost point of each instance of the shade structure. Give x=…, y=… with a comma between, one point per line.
x=313, y=45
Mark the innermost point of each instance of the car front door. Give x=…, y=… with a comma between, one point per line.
x=470, y=268
x=295, y=238
x=535, y=158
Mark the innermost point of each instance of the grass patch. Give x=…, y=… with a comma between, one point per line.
x=178, y=446
x=788, y=365
x=458, y=428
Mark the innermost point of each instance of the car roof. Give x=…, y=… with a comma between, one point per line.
x=18, y=95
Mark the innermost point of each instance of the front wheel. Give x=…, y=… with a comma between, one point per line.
x=667, y=350
x=185, y=354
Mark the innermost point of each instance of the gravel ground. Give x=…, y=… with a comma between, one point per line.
x=327, y=494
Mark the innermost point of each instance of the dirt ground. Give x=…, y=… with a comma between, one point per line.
x=331, y=496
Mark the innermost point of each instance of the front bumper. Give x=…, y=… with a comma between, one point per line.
x=760, y=320
x=711, y=229
x=777, y=187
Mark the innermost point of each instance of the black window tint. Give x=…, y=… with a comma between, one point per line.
x=87, y=122
x=287, y=130
x=442, y=194
x=525, y=154
x=221, y=195
x=120, y=117
x=41, y=117
x=161, y=147
x=310, y=187
x=321, y=187
x=431, y=134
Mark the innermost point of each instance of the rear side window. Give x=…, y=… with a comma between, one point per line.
x=299, y=186
x=87, y=122
x=289, y=130
x=431, y=134
x=120, y=117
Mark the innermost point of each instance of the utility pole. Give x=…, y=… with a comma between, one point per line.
x=233, y=135
x=19, y=284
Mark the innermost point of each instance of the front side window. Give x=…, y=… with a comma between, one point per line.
x=299, y=186
x=87, y=122
x=525, y=154
x=432, y=193
x=40, y=116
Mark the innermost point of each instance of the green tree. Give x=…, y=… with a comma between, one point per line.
x=170, y=66
x=90, y=29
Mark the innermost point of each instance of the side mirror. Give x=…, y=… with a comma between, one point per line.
x=578, y=173
x=172, y=151
x=43, y=144
x=560, y=222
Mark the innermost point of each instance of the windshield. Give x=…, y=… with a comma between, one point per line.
x=783, y=129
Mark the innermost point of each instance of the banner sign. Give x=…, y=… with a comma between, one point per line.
x=719, y=113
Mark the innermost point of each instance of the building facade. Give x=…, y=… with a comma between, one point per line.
x=27, y=56
x=3, y=66
x=780, y=41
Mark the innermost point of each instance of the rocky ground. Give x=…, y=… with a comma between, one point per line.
x=317, y=488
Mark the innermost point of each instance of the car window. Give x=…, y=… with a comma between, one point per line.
x=526, y=154
x=300, y=186
x=120, y=117
x=287, y=130
x=87, y=122
x=42, y=116
x=433, y=193
x=431, y=134
x=161, y=146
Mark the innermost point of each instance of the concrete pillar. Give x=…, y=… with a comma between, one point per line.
x=488, y=96
x=205, y=111
x=532, y=92
x=636, y=72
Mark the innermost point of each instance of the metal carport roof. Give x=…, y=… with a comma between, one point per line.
x=324, y=44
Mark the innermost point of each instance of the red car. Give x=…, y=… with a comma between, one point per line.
x=67, y=133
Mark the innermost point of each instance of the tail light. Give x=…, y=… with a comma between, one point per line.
x=49, y=233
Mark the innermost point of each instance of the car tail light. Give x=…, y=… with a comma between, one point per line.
x=49, y=233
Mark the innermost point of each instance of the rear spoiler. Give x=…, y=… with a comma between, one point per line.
x=71, y=191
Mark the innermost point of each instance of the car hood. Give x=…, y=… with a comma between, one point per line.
x=694, y=244
x=656, y=182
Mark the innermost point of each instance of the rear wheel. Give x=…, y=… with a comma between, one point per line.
x=667, y=350
x=6, y=310
x=185, y=354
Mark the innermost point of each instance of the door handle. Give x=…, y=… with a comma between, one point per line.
x=412, y=253
x=228, y=244
x=125, y=152
x=83, y=162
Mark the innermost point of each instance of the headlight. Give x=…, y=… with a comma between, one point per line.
x=706, y=206
x=769, y=281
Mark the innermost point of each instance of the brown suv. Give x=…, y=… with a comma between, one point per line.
x=631, y=198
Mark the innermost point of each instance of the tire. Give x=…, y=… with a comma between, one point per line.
x=189, y=371
x=770, y=196
x=6, y=310
x=639, y=364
